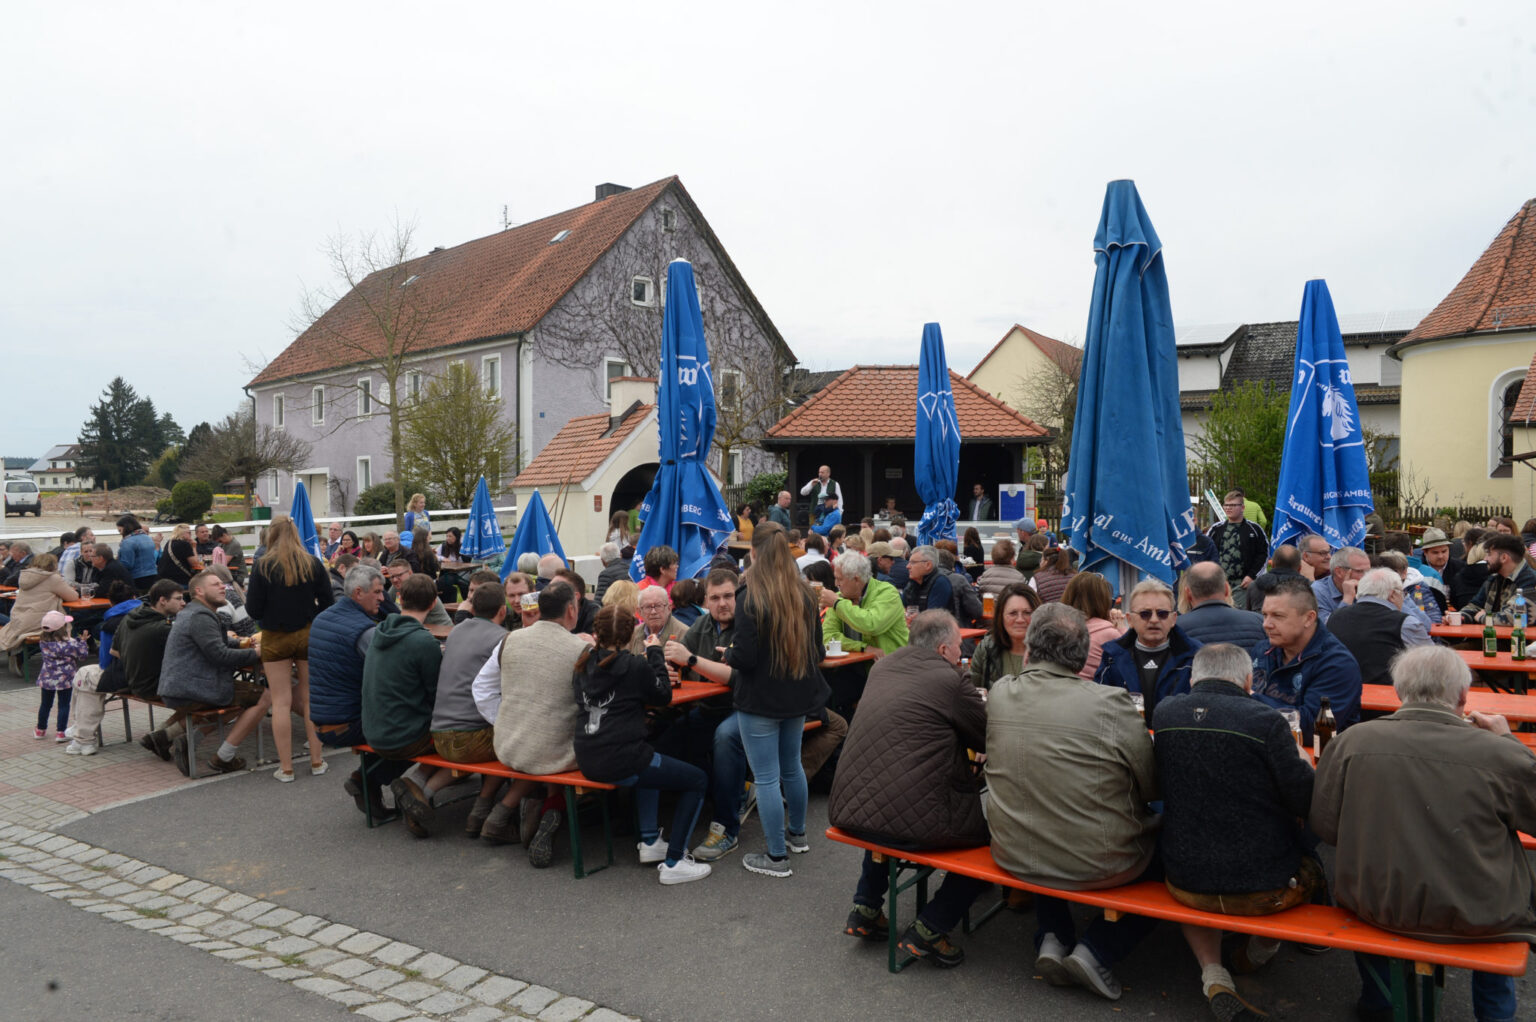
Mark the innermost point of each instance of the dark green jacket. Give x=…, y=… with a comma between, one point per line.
x=399, y=683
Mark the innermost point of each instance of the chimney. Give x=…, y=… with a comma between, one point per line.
x=625, y=392
x=605, y=190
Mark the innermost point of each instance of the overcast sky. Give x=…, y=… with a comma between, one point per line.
x=173, y=171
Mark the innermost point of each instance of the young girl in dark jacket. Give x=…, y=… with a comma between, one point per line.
x=612, y=688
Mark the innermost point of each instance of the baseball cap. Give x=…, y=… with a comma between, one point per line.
x=1025, y=525
x=55, y=619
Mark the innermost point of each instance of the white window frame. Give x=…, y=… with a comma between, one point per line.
x=1502, y=382
x=274, y=487
x=413, y=384
x=731, y=464
x=739, y=377
x=364, y=473
x=365, y=400
x=490, y=376
x=650, y=291
x=317, y=406
x=279, y=411
x=608, y=377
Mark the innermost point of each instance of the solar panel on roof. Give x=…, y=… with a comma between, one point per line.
x=1203, y=333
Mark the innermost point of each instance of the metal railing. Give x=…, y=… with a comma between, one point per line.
x=440, y=521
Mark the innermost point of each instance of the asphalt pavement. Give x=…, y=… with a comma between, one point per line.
x=735, y=945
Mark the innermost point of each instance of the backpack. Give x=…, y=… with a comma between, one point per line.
x=965, y=601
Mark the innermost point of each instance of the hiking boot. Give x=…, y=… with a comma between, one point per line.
x=1227, y=1006
x=157, y=742
x=1049, y=964
x=875, y=927
x=940, y=951
x=528, y=811
x=717, y=845
x=761, y=862
x=684, y=871
x=1086, y=972
x=414, y=806
x=179, y=755
x=230, y=766
x=654, y=851
x=478, y=814
x=541, y=849
x=499, y=827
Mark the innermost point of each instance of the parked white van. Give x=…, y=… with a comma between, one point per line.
x=21, y=496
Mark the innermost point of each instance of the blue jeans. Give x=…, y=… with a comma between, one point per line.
x=730, y=774
x=943, y=910
x=667, y=774
x=1493, y=996
x=773, y=752
x=42, y=712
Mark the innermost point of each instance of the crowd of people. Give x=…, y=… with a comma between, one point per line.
x=1089, y=744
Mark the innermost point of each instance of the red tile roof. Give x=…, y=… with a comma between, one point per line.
x=880, y=403
x=1498, y=292
x=1067, y=357
x=1525, y=404
x=490, y=287
x=578, y=449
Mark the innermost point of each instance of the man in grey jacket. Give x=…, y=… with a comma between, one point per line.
x=1423, y=808
x=198, y=672
x=1070, y=773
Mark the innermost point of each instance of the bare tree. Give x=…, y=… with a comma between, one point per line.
x=239, y=448
x=751, y=371
x=386, y=309
x=1049, y=396
x=455, y=435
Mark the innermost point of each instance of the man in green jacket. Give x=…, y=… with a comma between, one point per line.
x=862, y=611
x=399, y=691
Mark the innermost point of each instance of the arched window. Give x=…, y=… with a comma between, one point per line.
x=1502, y=396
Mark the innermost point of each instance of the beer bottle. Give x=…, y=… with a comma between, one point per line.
x=1490, y=639
x=1323, y=728
x=1517, y=642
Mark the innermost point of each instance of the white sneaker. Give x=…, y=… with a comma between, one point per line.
x=286, y=776
x=76, y=749
x=69, y=732
x=1086, y=971
x=1048, y=962
x=656, y=851
x=685, y=870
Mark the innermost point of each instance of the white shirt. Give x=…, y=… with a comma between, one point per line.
x=487, y=687
x=816, y=484
x=808, y=557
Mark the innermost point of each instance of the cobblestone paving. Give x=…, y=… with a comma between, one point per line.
x=376, y=976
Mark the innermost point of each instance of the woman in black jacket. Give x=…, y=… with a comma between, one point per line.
x=776, y=652
x=613, y=687
x=289, y=588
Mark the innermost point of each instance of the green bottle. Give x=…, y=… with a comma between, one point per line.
x=1517, y=643
x=1490, y=640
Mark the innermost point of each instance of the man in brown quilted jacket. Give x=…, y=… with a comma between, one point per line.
x=905, y=780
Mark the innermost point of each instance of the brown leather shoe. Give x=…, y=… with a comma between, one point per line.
x=414, y=806
x=500, y=826
x=219, y=766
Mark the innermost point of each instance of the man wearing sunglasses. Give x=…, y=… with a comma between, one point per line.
x=1153, y=658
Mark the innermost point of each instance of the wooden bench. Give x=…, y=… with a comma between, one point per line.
x=572, y=782
x=1304, y=924
x=195, y=719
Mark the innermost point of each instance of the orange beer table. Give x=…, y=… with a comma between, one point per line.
x=1381, y=698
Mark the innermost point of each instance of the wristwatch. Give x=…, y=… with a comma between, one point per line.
x=693, y=658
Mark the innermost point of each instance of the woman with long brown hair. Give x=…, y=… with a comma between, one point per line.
x=289, y=587
x=1089, y=594
x=776, y=653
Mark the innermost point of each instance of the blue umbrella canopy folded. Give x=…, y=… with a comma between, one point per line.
x=482, y=533
x=1126, y=506
x=1325, y=484
x=936, y=448
x=304, y=520
x=684, y=508
x=535, y=534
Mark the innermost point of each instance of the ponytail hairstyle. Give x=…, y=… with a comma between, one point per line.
x=613, y=628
